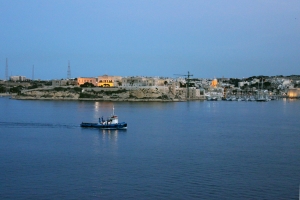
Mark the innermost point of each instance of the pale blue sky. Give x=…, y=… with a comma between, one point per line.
x=211, y=38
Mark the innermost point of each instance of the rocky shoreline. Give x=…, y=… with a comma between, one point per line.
x=17, y=97
x=101, y=94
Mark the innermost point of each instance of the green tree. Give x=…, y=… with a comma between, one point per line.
x=87, y=85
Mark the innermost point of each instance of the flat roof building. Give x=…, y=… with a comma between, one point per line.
x=83, y=80
x=109, y=81
x=17, y=78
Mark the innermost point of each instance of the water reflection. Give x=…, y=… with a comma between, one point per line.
x=97, y=104
x=106, y=141
x=212, y=105
x=103, y=109
x=111, y=135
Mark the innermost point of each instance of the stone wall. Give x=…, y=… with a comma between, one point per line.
x=110, y=94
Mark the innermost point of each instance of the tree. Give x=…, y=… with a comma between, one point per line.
x=119, y=83
x=2, y=89
x=87, y=84
x=16, y=89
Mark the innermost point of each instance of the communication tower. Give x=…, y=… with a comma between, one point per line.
x=32, y=72
x=6, y=70
x=69, y=71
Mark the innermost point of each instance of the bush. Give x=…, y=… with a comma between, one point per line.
x=113, y=92
x=59, y=89
x=86, y=95
x=87, y=85
x=77, y=89
x=16, y=89
x=33, y=86
x=2, y=89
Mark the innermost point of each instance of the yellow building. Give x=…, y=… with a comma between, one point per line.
x=214, y=83
x=109, y=81
x=294, y=93
x=82, y=80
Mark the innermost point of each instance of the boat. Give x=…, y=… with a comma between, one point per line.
x=111, y=123
x=262, y=97
x=233, y=98
x=208, y=98
x=228, y=98
x=213, y=98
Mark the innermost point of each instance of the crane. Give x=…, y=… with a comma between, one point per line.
x=187, y=82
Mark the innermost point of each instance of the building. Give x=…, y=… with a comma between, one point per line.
x=194, y=93
x=136, y=81
x=139, y=81
x=294, y=93
x=17, y=78
x=63, y=82
x=214, y=83
x=243, y=83
x=83, y=80
x=109, y=81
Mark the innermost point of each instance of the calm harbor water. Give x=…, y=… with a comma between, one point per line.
x=183, y=150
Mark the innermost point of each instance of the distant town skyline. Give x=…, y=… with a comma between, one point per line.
x=150, y=38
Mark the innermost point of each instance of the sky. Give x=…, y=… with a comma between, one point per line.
x=208, y=38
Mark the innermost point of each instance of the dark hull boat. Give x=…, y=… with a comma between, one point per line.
x=110, y=123
x=122, y=125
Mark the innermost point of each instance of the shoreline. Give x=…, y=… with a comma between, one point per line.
x=16, y=97
x=6, y=95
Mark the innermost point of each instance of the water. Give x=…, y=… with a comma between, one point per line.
x=183, y=150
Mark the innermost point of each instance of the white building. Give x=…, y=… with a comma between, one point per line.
x=17, y=78
x=63, y=82
x=243, y=83
x=139, y=81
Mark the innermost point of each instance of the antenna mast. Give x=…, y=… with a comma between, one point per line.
x=32, y=72
x=6, y=70
x=69, y=71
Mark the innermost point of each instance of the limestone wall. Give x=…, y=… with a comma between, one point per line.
x=40, y=94
x=117, y=94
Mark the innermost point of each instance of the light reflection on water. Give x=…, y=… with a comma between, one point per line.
x=111, y=135
x=103, y=109
x=105, y=139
